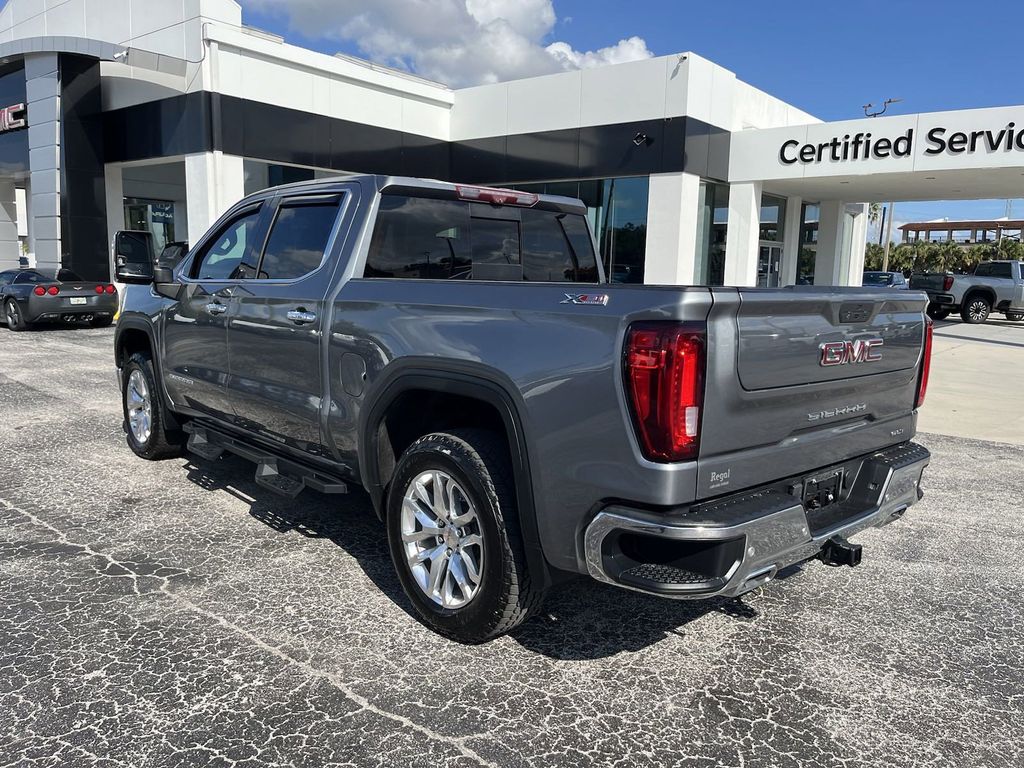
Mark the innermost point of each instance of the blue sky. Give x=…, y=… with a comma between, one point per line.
x=826, y=57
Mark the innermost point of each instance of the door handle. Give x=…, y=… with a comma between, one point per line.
x=301, y=316
x=216, y=308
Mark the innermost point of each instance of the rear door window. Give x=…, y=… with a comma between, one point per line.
x=1002, y=270
x=423, y=238
x=298, y=239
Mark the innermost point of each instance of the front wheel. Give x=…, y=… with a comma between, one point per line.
x=1015, y=317
x=145, y=419
x=938, y=312
x=15, y=319
x=454, y=536
x=975, y=309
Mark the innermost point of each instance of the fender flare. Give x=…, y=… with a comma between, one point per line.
x=985, y=291
x=466, y=379
x=137, y=324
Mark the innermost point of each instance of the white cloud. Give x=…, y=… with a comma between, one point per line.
x=459, y=42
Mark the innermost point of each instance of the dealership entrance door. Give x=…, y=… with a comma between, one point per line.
x=769, y=265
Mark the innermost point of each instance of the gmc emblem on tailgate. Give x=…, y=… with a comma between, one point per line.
x=843, y=352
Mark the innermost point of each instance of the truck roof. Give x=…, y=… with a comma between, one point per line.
x=445, y=189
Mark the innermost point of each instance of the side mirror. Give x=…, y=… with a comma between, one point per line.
x=133, y=257
x=164, y=284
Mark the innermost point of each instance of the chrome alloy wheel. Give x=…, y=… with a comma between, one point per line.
x=12, y=313
x=139, y=406
x=442, y=539
x=978, y=309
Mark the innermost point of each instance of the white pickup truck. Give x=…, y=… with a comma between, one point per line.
x=995, y=285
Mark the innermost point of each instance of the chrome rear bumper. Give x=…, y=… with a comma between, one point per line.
x=736, y=544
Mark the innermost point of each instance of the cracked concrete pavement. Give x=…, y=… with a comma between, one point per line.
x=174, y=614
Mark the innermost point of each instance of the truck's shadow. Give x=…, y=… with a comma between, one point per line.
x=581, y=619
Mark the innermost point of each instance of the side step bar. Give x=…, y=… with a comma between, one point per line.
x=276, y=473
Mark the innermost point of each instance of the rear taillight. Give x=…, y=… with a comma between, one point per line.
x=926, y=362
x=111, y=289
x=52, y=290
x=99, y=289
x=664, y=373
x=39, y=290
x=947, y=283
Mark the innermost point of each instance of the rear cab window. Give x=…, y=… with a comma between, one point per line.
x=433, y=239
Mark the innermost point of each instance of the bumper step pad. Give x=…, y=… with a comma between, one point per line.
x=662, y=574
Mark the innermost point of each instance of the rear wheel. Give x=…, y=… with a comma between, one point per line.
x=15, y=319
x=145, y=418
x=1015, y=317
x=101, y=322
x=454, y=536
x=975, y=309
x=938, y=312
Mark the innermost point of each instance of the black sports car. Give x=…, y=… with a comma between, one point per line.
x=28, y=297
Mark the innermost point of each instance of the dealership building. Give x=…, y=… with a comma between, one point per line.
x=133, y=114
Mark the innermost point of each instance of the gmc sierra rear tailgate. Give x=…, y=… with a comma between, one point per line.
x=801, y=378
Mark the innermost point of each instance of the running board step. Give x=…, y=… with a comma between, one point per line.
x=275, y=473
x=200, y=445
x=269, y=477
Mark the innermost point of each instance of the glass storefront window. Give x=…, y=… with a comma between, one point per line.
x=262, y=175
x=156, y=216
x=773, y=218
x=712, y=228
x=808, y=244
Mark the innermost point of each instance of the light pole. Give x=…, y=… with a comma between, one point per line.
x=892, y=206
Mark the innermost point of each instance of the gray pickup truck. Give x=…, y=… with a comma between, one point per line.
x=514, y=418
x=994, y=286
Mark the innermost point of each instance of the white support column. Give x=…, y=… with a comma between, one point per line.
x=30, y=238
x=830, y=242
x=792, y=244
x=854, y=258
x=672, y=214
x=43, y=81
x=743, y=234
x=10, y=250
x=842, y=234
x=115, y=206
x=213, y=182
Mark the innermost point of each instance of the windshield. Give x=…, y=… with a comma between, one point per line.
x=877, y=278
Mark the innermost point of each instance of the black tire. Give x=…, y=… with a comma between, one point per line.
x=975, y=309
x=162, y=443
x=1015, y=317
x=478, y=461
x=938, y=312
x=101, y=322
x=13, y=316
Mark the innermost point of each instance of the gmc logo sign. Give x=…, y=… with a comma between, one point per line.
x=843, y=352
x=12, y=118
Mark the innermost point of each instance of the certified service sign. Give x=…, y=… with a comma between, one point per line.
x=13, y=118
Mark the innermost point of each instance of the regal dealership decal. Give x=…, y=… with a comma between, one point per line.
x=938, y=140
x=12, y=118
